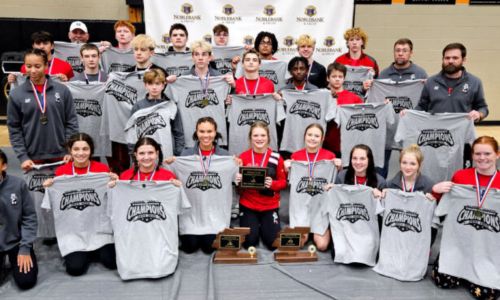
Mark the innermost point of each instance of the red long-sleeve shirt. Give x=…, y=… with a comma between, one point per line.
x=363, y=61
x=160, y=175
x=251, y=198
x=95, y=167
x=324, y=154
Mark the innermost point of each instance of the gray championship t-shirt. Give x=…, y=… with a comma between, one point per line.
x=355, y=77
x=274, y=70
x=402, y=95
x=210, y=195
x=117, y=60
x=88, y=99
x=79, y=206
x=244, y=111
x=153, y=122
x=45, y=219
x=406, y=235
x=123, y=90
x=69, y=52
x=175, y=63
x=187, y=92
x=144, y=220
x=223, y=56
x=441, y=137
x=364, y=124
x=305, y=192
x=471, y=236
x=304, y=108
x=352, y=213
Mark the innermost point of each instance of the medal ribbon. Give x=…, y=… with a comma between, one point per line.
x=203, y=167
x=51, y=64
x=73, y=168
x=261, y=162
x=204, y=84
x=403, y=185
x=98, y=77
x=311, y=164
x=41, y=103
x=256, y=86
x=482, y=198
x=150, y=177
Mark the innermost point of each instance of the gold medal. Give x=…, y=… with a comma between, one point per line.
x=205, y=181
x=478, y=213
x=43, y=119
x=204, y=102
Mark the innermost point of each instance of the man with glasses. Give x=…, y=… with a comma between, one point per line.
x=403, y=68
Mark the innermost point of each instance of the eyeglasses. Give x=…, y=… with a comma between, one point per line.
x=270, y=43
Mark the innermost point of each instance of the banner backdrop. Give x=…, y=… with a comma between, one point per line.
x=325, y=20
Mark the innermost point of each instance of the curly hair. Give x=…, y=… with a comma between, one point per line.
x=356, y=31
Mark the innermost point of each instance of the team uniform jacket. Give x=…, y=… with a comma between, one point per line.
x=465, y=96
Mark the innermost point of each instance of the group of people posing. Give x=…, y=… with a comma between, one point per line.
x=44, y=129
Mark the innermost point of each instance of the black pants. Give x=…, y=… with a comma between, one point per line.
x=191, y=242
x=265, y=224
x=77, y=263
x=446, y=281
x=22, y=280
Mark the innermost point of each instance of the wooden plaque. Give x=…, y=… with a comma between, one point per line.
x=228, y=244
x=289, y=242
x=253, y=177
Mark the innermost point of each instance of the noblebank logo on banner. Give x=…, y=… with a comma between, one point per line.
x=325, y=20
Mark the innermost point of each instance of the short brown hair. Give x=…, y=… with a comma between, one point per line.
x=153, y=75
x=220, y=28
x=458, y=46
x=404, y=41
x=124, y=23
x=335, y=66
x=89, y=46
x=251, y=51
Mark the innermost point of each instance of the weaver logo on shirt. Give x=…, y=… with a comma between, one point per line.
x=177, y=71
x=352, y=212
x=403, y=220
x=121, y=91
x=479, y=218
x=117, y=67
x=88, y=107
x=75, y=63
x=400, y=103
x=198, y=180
x=435, y=138
x=197, y=99
x=146, y=211
x=250, y=116
x=306, y=109
x=79, y=199
x=223, y=65
x=362, y=122
x=311, y=187
x=149, y=124
x=269, y=74
x=36, y=182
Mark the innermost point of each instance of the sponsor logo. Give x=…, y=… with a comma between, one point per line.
x=269, y=11
x=400, y=103
x=306, y=109
x=479, y=218
x=312, y=187
x=362, y=122
x=249, y=116
x=197, y=180
x=352, y=212
x=177, y=70
x=269, y=74
x=36, y=182
x=117, y=67
x=196, y=99
x=122, y=92
x=248, y=40
x=435, y=138
x=146, y=211
x=403, y=220
x=13, y=199
x=465, y=88
x=79, y=199
x=88, y=107
x=288, y=41
x=149, y=124
x=187, y=14
x=329, y=41
x=289, y=48
x=228, y=9
x=166, y=39
x=310, y=11
x=207, y=38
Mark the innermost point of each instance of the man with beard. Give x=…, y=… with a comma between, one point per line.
x=403, y=68
x=453, y=89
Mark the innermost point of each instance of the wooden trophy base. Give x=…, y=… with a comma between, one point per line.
x=294, y=256
x=232, y=257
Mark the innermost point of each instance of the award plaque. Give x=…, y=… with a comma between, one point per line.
x=228, y=244
x=253, y=177
x=289, y=242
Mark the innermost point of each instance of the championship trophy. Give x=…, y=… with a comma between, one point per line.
x=228, y=244
x=289, y=242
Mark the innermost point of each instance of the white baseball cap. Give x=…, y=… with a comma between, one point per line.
x=78, y=25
